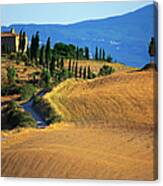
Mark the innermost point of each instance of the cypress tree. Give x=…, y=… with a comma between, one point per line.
x=73, y=65
x=87, y=53
x=62, y=64
x=85, y=73
x=77, y=53
x=23, y=41
x=47, y=53
x=100, y=54
x=32, y=47
x=69, y=65
x=36, y=46
x=46, y=76
x=81, y=56
x=28, y=53
x=103, y=55
x=80, y=71
x=20, y=41
x=58, y=63
x=42, y=56
x=151, y=49
x=52, y=66
x=96, y=54
x=89, y=73
x=76, y=70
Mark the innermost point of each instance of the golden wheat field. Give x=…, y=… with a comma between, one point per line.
x=107, y=132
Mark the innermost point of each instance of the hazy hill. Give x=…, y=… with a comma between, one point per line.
x=126, y=36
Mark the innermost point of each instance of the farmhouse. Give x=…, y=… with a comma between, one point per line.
x=10, y=42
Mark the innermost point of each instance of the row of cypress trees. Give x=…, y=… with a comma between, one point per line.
x=79, y=72
x=43, y=55
x=100, y=54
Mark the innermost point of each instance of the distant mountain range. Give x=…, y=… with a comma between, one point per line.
x=126, y=37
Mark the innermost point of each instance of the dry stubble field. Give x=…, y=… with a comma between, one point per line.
x=107, y=132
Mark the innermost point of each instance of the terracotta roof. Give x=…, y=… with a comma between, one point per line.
x=8, y=34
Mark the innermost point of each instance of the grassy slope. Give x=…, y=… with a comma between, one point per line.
x=74, y=152
x=83, y=150
x=96, y=65
x=123, y=98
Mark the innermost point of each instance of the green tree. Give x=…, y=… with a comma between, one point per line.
x=20, y=41
x=62, y=64
x=96, y=53
x=103, y=54
x=23, y=42
x=76, y=70
x=80, y=71
x=69, y=65
x=46, y=76
x=28, y=53
x=52, y=66
x=27, y=91
x=42, y=56
x=81, y=53
x=89, y=73
x=100, y=54
x=77, y=53
x=36, y=46
x=87, y=53
x=109, y=59
x=11, y=74
x=151, y=49
x=32, y=47
x=73, y=66
x=47, y=52
x=84, y=73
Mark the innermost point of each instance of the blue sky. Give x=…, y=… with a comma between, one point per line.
x=65, y=13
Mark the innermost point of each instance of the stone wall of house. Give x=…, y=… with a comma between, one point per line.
x=8, y=44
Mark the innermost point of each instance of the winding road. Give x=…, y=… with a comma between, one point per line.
x=36, y=116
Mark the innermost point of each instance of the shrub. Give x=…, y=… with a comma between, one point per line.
x=17, y=118
x=109, y=59
x=27, y=91
x=93, y=75
x=21, y=119
x=25, y=120
x=7, y=90
x=11, y=74
x=106, y=70
x=24, y=57
x=36, y=100
x=13, y=56
x=45, y=110
x=12, y=106
x=46, y=76
x=4, y=55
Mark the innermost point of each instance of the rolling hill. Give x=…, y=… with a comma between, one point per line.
x=126, y=37
x=123, y=99
x=108, y=132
